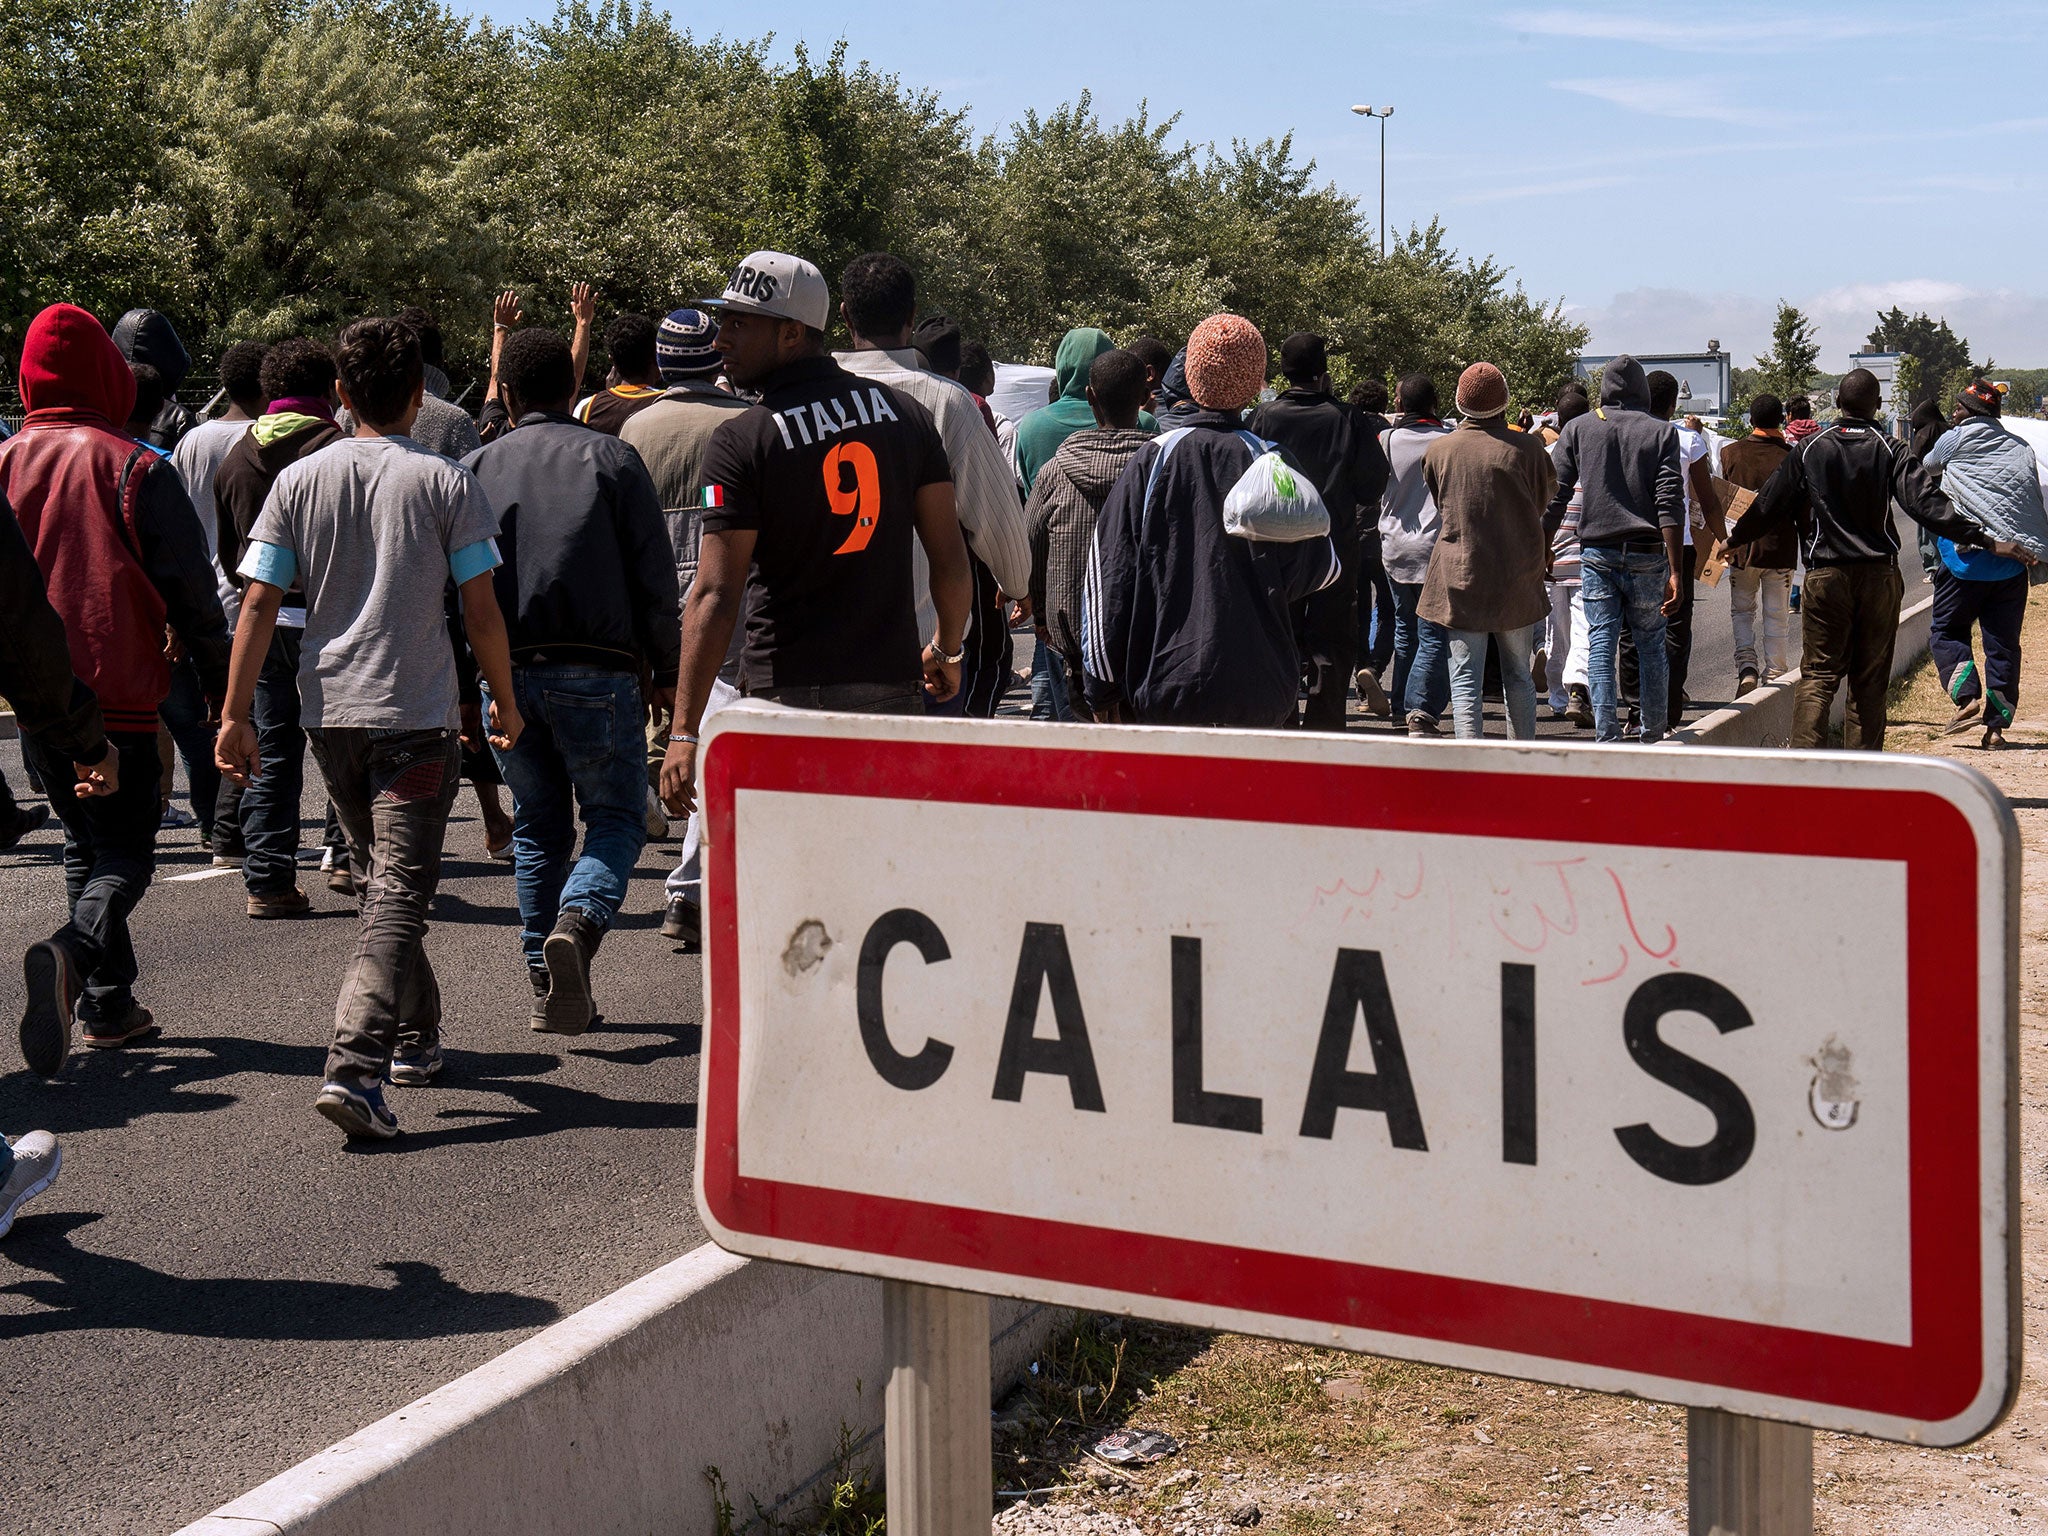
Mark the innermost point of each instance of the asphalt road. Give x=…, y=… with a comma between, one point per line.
x=218, y=1285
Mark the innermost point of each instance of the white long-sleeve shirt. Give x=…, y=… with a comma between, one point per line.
x=984, y=488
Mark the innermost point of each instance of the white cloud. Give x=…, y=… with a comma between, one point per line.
x=1721, y=35
x=1689, y=100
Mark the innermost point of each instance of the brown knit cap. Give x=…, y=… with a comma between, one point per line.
x=1482, y=392
x=1226, y=363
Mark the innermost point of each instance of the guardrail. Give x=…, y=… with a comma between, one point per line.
x=1763, y=716
x=606, y=1422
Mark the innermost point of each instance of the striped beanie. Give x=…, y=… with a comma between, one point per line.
x=683, y=346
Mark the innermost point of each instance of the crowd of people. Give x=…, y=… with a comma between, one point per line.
x=552, y=596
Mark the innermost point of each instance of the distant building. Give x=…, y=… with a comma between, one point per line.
x=1705, y=379
x=1886, y=366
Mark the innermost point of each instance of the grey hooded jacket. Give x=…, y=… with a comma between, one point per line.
x=1990, y=475
x=1625, y=459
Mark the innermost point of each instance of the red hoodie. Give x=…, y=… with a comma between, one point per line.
x=101, y=514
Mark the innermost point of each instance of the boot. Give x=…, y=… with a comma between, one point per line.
x=568, y=1009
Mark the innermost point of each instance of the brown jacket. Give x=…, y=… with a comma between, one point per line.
x=1750, y=464
x=1491, y=487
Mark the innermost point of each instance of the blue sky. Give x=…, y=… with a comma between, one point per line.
x=1668, y=176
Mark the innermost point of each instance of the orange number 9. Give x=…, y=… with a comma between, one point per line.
x=863, y=501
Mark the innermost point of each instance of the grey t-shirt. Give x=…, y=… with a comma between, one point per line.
x=374, y=527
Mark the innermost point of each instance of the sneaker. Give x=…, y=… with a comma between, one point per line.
x=275, y=904
x=37, y=1157
x=51, y=980
x=657, y=817
x=227, y=860
x=1421, y=724
x=1539, y=671
x=1372, y=695
x=682, y=922
x=1967, y=718
x=1747, y=681
x=568, y=1009
x=537, y=976
x=327, y=860
x=175, y=817
x=417, y=1067
x=1994, y=735
x=27, y=819
x=358, y=1111
x=131, y=1028
x=1579, y=706
x=342, y=882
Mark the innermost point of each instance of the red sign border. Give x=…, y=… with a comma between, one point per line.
x=1933, y=1379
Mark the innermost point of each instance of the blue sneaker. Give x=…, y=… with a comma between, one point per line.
x=417, y=1067
x=358, y=1111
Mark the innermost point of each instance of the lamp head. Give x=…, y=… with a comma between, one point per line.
x=1363, y=111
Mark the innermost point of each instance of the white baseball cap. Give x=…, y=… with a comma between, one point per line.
x=772, y=283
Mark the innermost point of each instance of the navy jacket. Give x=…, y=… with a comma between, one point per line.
x=1182, y=622
x=589, y=578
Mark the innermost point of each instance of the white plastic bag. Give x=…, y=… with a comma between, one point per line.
x=1274, y=504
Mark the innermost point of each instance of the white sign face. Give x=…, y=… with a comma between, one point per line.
x=1674, y=1072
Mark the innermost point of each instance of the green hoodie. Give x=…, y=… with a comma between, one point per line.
x=1040, y=434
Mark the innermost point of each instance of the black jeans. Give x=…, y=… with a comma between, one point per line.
x=270, y=805
x=1677, y=644
x=1375, y=604
x=109, y=856
x=392, y=791
x=1326, y=625
x=184, y=713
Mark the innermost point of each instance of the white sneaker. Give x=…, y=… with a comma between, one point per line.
x=326, y=860
x=657, y=818
x=37, y=1157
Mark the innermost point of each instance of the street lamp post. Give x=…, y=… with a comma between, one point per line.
x=1382, y=113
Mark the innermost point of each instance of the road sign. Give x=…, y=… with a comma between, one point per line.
x=1673, y=1072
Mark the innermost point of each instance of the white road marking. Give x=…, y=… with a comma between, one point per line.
x=201, y=874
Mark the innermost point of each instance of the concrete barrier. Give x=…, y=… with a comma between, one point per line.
x=606, y=1422
x=1763, y=716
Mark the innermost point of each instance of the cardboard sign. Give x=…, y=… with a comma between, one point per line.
x=1686, y=1074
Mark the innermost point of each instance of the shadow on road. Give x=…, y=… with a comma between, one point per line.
x=536, y=1106
x=95, y=1290
x=102, y=1089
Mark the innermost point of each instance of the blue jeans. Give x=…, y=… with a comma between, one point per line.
x=1422, y=656
x=584, y=749
x=1049, y=685
x=270, y=805
x=1620, y=585
x=1468, y=680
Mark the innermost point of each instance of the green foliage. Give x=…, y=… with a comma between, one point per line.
x=1941, y=355
x=1794, y=357
x=257, y=167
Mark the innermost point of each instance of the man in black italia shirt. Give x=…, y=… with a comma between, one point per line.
x=811, y=500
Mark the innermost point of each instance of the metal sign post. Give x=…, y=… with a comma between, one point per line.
x=936, y=1450
x=1683, y=1074
x=1747, y=1477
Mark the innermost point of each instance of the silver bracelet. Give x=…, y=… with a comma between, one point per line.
x=690, y=739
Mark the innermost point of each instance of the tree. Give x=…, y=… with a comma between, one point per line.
x=315, y=181
x=1794, y=357
x=1940, y=353
x=82, y=216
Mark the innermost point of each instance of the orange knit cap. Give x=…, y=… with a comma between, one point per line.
x=1226, y=363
